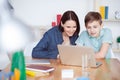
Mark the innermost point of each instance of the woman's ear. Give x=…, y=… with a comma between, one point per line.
x=62, y=24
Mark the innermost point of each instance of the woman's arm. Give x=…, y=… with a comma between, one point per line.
x=40, y=50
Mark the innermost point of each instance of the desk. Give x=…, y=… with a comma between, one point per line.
x=109, y=70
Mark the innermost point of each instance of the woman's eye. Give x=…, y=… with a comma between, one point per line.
x=68, y=26
x=74, y=26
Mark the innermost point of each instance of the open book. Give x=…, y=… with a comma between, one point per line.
x=41, y=68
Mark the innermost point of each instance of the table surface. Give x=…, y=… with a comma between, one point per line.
x=109, y=70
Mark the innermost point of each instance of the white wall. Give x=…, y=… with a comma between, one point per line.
x=115, y=28
x=37, y=12
x=42, y=12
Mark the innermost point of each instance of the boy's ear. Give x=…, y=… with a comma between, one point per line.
x=102, y=25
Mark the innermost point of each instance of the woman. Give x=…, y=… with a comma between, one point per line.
x=65, y=33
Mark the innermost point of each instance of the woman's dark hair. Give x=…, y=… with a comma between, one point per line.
x=92, y=16
x=70, y=15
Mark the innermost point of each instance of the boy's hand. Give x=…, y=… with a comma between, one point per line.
x=98, y=55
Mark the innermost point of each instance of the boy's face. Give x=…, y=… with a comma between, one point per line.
x=94, y=28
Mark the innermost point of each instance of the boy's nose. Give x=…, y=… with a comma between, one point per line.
x=92, y=30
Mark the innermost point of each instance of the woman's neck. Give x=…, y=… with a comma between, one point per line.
x=66, y=40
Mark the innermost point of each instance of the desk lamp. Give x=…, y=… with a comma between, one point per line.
x=14, y=35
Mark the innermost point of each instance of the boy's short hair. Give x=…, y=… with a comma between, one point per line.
x=92, y=16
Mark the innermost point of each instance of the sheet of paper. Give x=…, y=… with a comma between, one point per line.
x=4, y=60
x=67, y=73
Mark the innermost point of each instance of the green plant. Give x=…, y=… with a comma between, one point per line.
x=118, y=39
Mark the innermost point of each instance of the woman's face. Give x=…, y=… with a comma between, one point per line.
x=69, y=27
x=94, y=28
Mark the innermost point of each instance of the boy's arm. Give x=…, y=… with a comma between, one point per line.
x=103, y=51
x=107, y=42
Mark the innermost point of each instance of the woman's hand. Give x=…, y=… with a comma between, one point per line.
x=58, y=56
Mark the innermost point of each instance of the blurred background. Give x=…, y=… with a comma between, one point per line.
x=39, y=14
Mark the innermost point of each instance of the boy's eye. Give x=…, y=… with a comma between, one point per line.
x=88, y=27
x=95, y=26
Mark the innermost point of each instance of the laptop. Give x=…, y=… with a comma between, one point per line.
x=37, y=61
x=72, y=55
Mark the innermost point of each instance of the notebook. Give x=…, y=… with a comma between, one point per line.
x=37, y=61
x=41, y=68
x=72, y=55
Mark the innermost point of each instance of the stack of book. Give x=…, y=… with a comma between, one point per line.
x=104, y=12
x=58, y=18
x=35, y=70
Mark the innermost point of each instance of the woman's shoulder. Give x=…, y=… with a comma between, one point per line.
x=53, y=29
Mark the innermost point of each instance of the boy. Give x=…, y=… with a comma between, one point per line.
x=95, y=36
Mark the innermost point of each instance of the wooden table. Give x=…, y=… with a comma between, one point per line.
x=109, y=70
